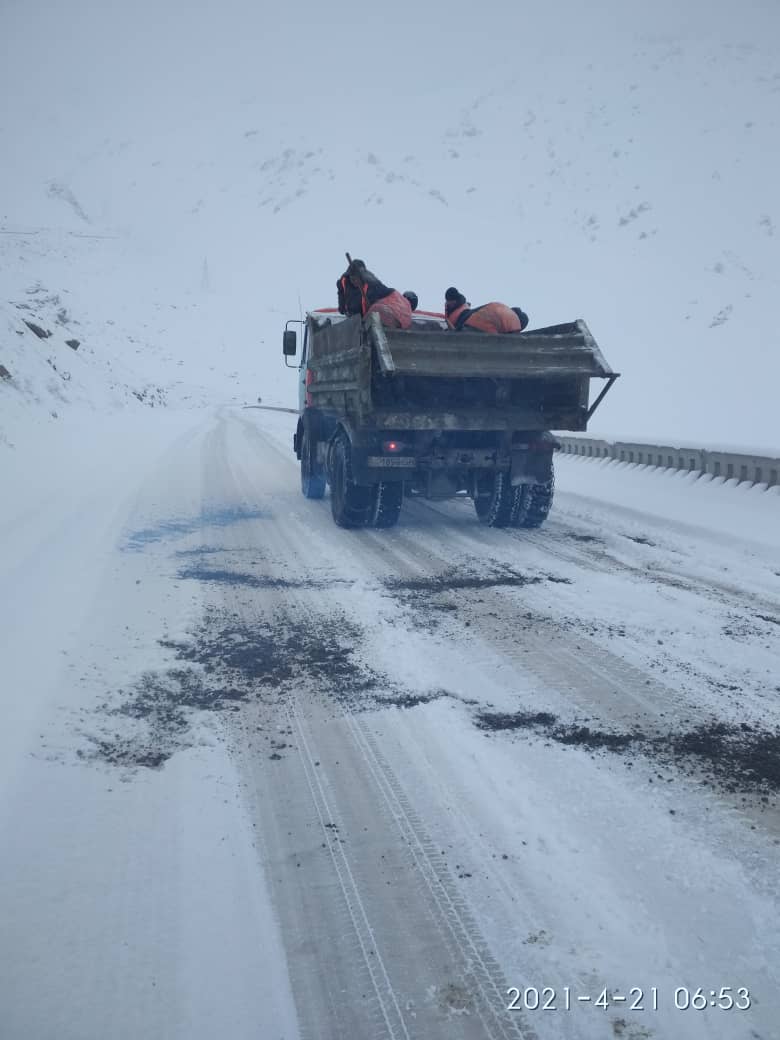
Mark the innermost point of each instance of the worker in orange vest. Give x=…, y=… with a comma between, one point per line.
x=490, y=317
x=361, y=292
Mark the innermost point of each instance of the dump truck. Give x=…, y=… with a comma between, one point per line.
x=387, y=414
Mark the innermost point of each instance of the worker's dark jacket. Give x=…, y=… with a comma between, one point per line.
x=350, y=297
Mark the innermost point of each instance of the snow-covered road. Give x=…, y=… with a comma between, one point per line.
x=263, y=777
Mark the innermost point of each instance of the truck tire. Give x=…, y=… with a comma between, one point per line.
x=312, y=472
x=351, y=504
x=533, y=503
x=494, y=507
x=388, y=499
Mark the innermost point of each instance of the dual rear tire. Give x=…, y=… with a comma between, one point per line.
x=537, y=502
x=523, y=505
x=388, y=499
x=353, y=505
x=359, y=505
x=350, y=503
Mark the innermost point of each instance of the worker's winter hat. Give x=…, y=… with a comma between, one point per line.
x=412, y=298
x=453, y=299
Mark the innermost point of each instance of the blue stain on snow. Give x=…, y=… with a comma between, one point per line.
x=178, y=527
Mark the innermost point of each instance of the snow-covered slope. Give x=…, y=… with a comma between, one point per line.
x=194, y=177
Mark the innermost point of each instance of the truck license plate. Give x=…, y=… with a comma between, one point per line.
x=391, y=460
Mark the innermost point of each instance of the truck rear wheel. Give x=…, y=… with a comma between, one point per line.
x=312, y=472
x=534, y=503
x=494, y=504
x=388, y=499
x=351, y=504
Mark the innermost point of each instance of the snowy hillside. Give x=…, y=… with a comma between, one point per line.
x=181, y=183
x=263, y=775
x=78, y=333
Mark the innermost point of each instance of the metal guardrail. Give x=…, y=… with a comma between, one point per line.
x=753, y=469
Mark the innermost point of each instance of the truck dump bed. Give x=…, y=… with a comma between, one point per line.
x=543, y=353
x=430, y=377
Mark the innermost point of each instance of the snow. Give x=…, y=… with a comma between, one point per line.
x=744, y=511
x=150, y=898
x=177, y=183
x=636, y=192
x=135, y=903
x=632, y=870
x=132, y=927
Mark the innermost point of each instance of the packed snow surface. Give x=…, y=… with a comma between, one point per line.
x=264, y=776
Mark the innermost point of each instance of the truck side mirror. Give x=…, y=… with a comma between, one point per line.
x=289, y=343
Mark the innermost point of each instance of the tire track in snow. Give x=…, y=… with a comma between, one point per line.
x=455, y=984
x=454, y=917
x=327, y=814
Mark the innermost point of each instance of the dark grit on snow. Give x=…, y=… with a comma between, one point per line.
x=229, y=660
x=738, y=757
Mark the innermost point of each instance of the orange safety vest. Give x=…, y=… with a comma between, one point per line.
x=492, y=317
x=394, y=310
